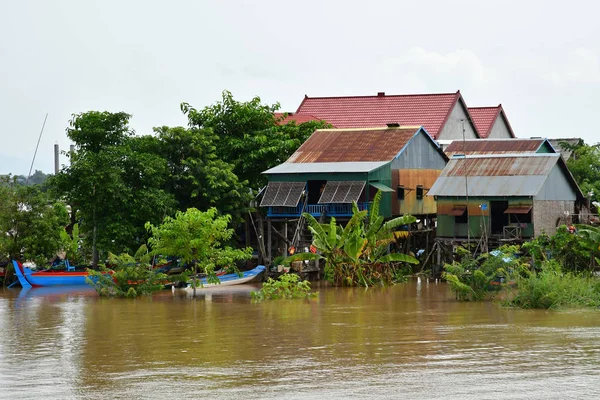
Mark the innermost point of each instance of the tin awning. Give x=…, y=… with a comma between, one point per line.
x=381, y=187
x=517, y=210
x=341, y=192
x=457, y=211
x=284, y=194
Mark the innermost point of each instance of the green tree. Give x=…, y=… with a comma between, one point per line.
x=584, y=164
x=198, y=238
x=249, y=136
x=197, y=177
x=32, y=223
x=115, y=182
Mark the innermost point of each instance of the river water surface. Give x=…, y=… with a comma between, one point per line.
x=412, y=341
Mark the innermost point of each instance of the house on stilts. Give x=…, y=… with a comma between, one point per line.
x=336, y=167
x=490, y=199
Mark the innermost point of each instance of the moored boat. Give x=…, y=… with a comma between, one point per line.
x=230, y=279
x=49, y=277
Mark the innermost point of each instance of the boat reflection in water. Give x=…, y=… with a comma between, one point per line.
x=54, y=293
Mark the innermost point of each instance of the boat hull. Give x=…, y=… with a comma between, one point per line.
x=231, y=279
x=29, y=278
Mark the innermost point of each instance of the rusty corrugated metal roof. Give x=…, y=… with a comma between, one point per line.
x=495, y=175
x=501, y=165
x=353, y=145
x=493, y=146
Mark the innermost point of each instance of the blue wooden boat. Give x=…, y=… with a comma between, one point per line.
x=231, y=279
x=49, y=277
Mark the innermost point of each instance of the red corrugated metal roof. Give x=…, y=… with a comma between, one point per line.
x=428, y=110
x=286, y=118
x=493, y=146
x=484, y=118
x=347, y=145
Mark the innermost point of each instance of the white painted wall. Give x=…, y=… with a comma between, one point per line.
x=500, y=129
x=453, y=128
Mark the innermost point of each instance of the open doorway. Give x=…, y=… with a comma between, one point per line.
x=315, y=188
x=497, y=216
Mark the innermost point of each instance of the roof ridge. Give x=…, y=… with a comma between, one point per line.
x=380, y=128
x=385, y=95
x=480, y=107
x=506, y=155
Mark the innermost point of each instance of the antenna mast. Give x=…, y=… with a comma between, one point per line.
x=36, y=149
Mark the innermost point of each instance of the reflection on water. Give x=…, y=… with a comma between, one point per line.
x=412, y=341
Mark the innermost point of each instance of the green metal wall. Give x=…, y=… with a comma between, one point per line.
x=446, y=226
x=382, y=175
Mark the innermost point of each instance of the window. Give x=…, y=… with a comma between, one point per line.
x=463, y=218
x=400, y=192
x=419, y=192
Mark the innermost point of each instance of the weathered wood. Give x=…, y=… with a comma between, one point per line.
x=269, y=242
x=286, y=242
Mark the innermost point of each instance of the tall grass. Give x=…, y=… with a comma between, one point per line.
x=551, y=288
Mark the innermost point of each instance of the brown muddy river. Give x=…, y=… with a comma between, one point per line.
x=411, y=341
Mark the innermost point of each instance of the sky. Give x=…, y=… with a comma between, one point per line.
x=539, y=59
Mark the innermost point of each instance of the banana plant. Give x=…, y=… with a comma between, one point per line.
x=358, y=253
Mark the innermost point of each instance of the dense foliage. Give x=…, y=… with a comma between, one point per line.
x=358, y=253
x=114, y=182
x=128, y=277
x=198, y=238
x=287, y=286
x=551, y=287
x=479, y=278
x=548, y=272
x=572, y=252
x=584, y=164
x=117, y=181
x=248, y=136
x=33, y=223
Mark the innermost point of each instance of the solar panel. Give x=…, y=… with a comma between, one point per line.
x=341, y=191
x=282, y=194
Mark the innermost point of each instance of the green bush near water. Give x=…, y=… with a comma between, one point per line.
x=288, y=286
x=551, y=288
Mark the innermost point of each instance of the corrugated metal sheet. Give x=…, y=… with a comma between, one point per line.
x=488, y=186
x=493, y=146
x=493, y=175
x=329, y=167
x=501, y=165
x=344, y=145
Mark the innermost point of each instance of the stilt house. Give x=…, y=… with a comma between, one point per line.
x=504, y=196
x=335, y=167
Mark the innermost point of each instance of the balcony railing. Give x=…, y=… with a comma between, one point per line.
x=316, y=210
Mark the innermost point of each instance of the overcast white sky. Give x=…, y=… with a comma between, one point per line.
x=540, y=59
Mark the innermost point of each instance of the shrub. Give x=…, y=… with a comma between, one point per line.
x=128, y=278
x=287, y=286
x=475, y=279
x=550, y=287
